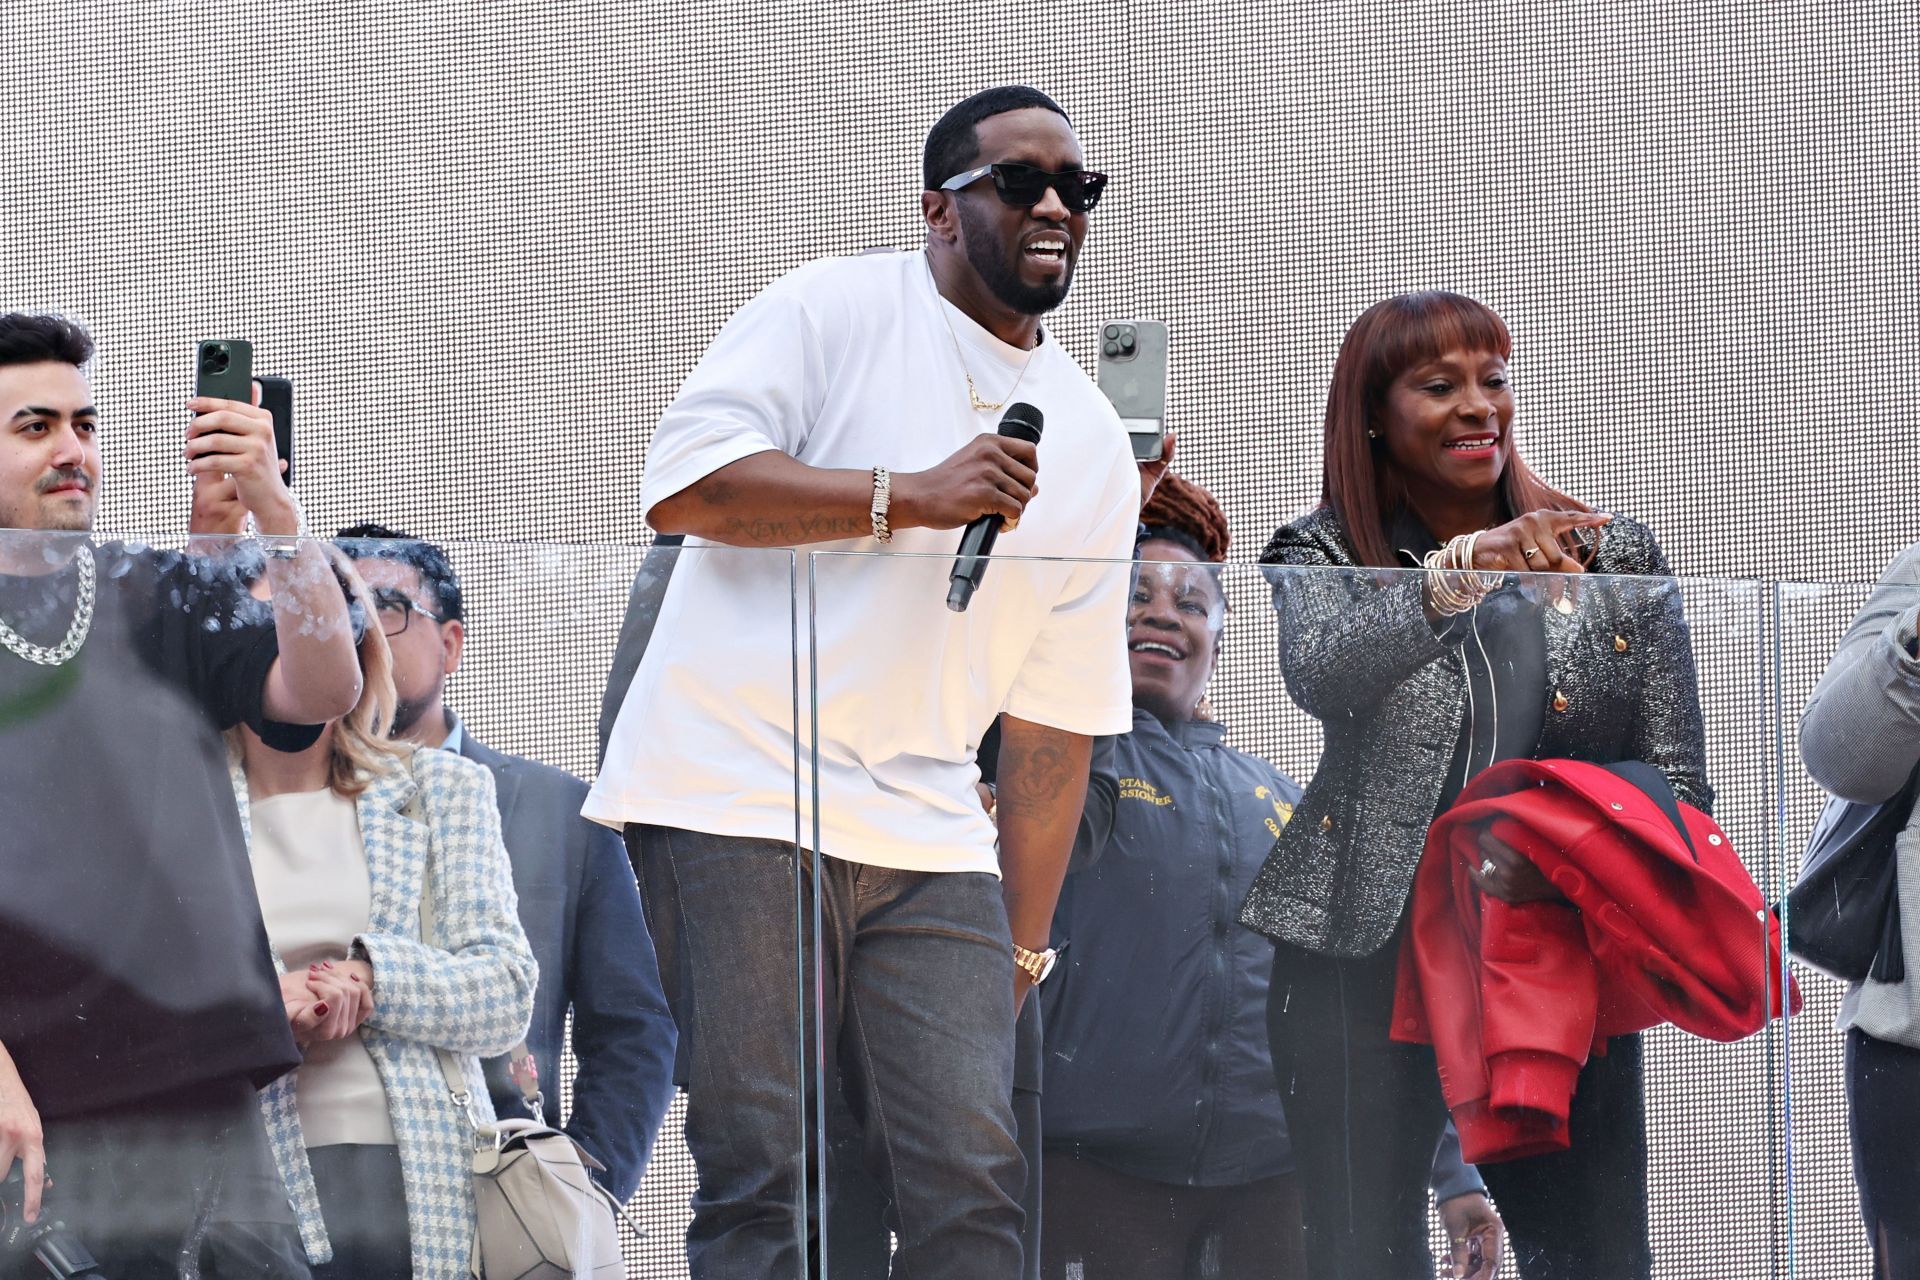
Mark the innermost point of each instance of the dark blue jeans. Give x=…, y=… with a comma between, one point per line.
x=916, y=1011
x=856, y=1211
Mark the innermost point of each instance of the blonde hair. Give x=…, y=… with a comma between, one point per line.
x=361, y=748
x=361, y=745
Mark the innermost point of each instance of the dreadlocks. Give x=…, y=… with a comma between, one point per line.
x=1182, y=507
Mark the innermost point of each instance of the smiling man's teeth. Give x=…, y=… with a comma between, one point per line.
x=1148, y=646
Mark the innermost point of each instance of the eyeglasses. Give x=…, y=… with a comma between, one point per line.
x=396, y=608
x=1024, y=185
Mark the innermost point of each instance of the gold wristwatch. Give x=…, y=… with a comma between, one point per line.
x=1036, y=964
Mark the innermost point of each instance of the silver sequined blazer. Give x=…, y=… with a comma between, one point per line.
x=1358, y=654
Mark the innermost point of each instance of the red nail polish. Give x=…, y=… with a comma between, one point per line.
x=320, y=1010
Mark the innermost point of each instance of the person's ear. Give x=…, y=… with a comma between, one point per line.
x=943, y=221
x=453, y=643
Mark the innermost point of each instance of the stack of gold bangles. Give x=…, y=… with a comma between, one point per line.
x=1453, y=585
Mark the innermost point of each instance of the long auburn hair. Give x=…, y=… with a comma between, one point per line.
x=1359, y=481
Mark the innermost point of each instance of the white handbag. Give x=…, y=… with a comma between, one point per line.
x=540, y=1215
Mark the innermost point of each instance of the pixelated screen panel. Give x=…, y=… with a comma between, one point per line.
x=487, y=241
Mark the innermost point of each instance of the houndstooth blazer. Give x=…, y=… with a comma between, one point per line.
x=469, y=990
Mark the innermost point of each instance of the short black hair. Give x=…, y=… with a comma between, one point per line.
x=953, y=145
x=30, y=337
x=378, y=542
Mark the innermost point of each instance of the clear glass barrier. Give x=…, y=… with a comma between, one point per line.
x=1352, y=861
x=140, y=1007
x=1822, y=626
x=1156, y=1063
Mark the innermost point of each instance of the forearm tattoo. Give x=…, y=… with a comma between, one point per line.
x=1036, y=775
x=764, y=531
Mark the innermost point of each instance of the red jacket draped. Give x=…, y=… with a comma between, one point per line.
x=1513, y=997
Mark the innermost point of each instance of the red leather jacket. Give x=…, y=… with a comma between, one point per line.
x=1664, y=925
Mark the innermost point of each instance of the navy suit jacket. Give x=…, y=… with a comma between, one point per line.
x=582, y=915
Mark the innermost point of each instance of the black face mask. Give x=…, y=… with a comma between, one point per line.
x=989, y=257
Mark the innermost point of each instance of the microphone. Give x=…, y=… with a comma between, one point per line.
x=1022, y=422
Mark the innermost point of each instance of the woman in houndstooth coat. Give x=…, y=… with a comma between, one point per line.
x=345, y=839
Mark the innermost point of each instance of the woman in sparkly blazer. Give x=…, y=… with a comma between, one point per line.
x=1421, y=680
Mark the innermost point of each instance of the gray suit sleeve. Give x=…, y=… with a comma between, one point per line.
x=636, y=628
x=1860, y=735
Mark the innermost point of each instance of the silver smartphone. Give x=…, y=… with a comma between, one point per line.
x=1133, y=372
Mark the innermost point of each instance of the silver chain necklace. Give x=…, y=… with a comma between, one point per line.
x=76, y=633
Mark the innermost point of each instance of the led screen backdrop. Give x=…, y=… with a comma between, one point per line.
x=488, y=239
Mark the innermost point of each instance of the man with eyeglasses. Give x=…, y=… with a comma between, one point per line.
x=851, y=406
x=578, y=901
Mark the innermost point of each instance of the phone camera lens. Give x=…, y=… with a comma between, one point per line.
x=1126, y=341
x=214, y=359
x=1111, y=348
x=1113, y=331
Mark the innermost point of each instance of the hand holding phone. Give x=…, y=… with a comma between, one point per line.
x=231, y=436
x=1132, y=371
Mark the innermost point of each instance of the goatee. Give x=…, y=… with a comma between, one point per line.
x=1002, y=277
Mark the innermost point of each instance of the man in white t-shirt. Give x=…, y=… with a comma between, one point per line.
x=850, y=408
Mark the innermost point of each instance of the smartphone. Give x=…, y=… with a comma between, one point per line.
x=223, y=369
x=1133, y=372
x=276, y=397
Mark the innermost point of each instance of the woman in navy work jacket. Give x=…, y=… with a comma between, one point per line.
x=1166, y=1148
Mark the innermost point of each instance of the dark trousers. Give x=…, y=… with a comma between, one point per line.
x=1365, y=1114
x=1581, y=1214
x=1106, y=1225
x=1883, y=1110
x=917, y=1010
x=858, y=1247
x=364, y=1206
x=145, y=1186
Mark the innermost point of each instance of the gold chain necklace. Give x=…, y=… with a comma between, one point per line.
x=973, y=392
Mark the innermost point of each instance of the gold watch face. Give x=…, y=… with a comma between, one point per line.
x=1038, y=964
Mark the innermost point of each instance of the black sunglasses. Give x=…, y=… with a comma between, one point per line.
x=1025, y=185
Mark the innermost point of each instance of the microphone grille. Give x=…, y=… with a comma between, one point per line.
x=1022, y=421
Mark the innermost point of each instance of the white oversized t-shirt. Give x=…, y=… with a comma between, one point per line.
x=848, y=362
